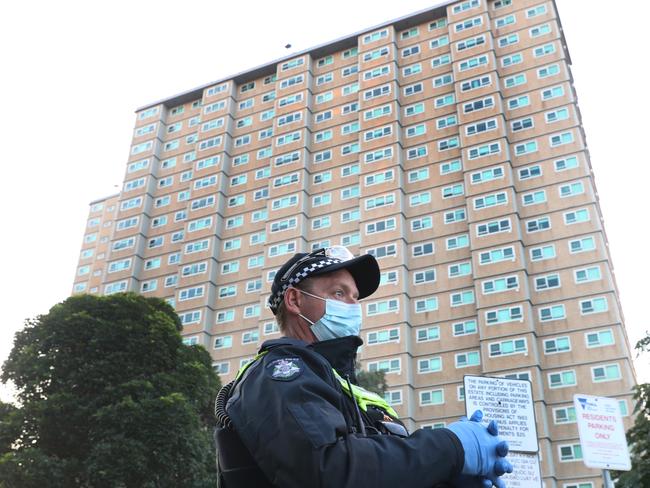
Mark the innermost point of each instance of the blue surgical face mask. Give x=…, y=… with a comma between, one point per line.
x=339, y=320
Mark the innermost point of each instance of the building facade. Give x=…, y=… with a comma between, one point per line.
x=448, y=144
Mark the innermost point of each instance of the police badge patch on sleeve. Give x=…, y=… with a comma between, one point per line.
x=285, y=369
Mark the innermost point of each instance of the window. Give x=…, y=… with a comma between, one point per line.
x=422, y=249
x=232, y=244
x=564, y=415
x=566, y=163
x=539, y=224
x=458, y=299
x=350, y=215
x=375, y=36
x=504, y=315
x=419, y=199
x=411, y=70
x=608, y=372
x=377, y=133
x=424, y=276
x=452, y=190
x=585, y=275
x=542, y=252
x=430, y=365
x=557, y=345
x=571, y=189
x=533, y=198
x=227, y=291
x=321, y=222
x=382, y=307
x=547, y=282
x=387, y=277
x=380, y=201
x=418, y=175
x=223, y=341
x=518, y=102
x=194, y=269
x=491, y=200
x=221, y=368
x=561, y=139
x=444, y=100
x=600, y=338
x=493, y=227
x=511, y=60
x=382, y=336
x=376, y=72
x=428, y=334
x=250, y=337
x=570, y=452
x=384, y=153
x=464, y=328
x=197, y=246
x=381, y=226
x=450, y=167
x=476, y=83
x=484, y=150
x=459, y=269
x=497, y=255
x=432, y=397
x=457, y=215
x=562, y=379
x=507, y=348
x=191, y=293
x=554, y=92
x=500, y=284
x=439, y=42
x=470, y=358
x=252, y=310
x=473, y=63
x=457, y=242
x=387, y=365
x=576, y=216
x=594, y=305
x=486, y=175
x=350, y=192
x=349, y=70
x=415, y=109
x=470, y=43
x=283, y=248
x=479, y=104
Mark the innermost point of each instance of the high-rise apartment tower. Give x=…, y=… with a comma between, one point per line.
x=448, y=143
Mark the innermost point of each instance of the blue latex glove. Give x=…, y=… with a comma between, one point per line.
x=484, y=452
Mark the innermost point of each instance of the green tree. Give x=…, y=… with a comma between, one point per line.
x=373, y=381
x=638, y=437
x=109, y=397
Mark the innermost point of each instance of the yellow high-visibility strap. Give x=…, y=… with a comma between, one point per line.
x=243, y=369
x=364, y=397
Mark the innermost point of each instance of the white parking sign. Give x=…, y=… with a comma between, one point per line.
x=602, y=435
x=510, y=403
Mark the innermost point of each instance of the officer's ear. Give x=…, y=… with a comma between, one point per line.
x=292, y=300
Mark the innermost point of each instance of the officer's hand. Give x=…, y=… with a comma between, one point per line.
x=484, y=451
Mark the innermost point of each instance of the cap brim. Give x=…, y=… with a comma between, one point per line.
x=364, y=269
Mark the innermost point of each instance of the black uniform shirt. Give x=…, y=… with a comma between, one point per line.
x=291, y=413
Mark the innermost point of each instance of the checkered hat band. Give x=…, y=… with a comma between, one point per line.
x=276, y=298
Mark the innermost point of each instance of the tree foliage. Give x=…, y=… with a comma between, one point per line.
x=374, y=381
x=109, y=397
x=638, y=437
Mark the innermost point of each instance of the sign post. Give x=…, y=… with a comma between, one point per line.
x=602, y=435
x=510, y=403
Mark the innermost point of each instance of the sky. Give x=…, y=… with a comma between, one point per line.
x=74, y=72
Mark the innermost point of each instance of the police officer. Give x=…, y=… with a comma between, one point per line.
x=295, y=418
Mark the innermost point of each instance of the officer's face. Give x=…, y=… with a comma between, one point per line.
x=338, y=285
